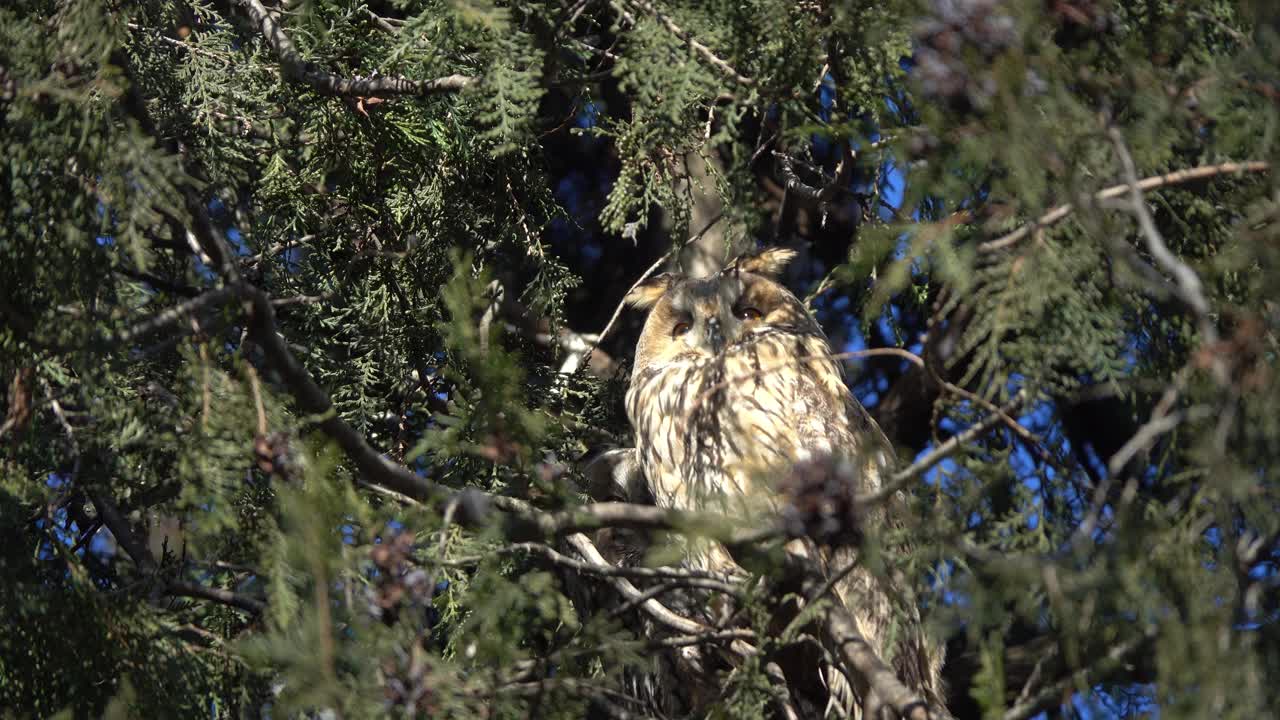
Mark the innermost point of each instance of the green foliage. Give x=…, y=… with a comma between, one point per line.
x=413, y=247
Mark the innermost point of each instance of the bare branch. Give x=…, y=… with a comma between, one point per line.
x=1187, y=284
x=656, y=610
x=526, y=522
x=1177, y=177
x=905, y=477
x=718, y=582
x=1152, y=429
x=1189, y=288
x=314, y=401
x=119, y=527
x=114, y=521
x=859, y=655
x=808, y=192
x=300, y=69
x=666, y=22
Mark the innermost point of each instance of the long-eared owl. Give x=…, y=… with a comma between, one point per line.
x=734, y=384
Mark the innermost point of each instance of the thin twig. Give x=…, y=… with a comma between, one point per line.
x=905, y=477
x=1152, y=429
x=192, y=48
x=1052, y=694
x=302, y=299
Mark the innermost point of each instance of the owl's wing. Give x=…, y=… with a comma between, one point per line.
x=875, y=444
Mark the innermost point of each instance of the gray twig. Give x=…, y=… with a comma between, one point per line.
x=1187, y=286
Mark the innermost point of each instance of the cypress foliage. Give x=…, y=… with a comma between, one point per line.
x=301, y=307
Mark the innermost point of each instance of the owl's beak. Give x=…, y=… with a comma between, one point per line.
x=715, y=336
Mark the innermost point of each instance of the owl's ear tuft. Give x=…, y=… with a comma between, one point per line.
x=768, y=262
x=645, y=295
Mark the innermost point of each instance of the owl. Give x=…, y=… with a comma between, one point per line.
x=735, y=386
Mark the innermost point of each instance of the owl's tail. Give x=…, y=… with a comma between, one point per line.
x=842, y=700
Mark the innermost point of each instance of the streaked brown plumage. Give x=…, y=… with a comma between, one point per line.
x=734, y=383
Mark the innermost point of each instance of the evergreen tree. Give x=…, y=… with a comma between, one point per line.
x=310, y=317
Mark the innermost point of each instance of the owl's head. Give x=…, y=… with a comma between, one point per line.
x=694, y=318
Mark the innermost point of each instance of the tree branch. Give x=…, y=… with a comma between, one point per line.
x=1177, y=177
x=858, y=654
x=906, y=476
x=1187, y=285
x=114, y=521
x=218, y=595
x=820, y=195
x=713, y=581
x=706, y=53
x=328, y=84
x=656, y=610
x=165, y=318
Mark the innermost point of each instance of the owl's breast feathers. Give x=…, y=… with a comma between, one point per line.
x=710, y=428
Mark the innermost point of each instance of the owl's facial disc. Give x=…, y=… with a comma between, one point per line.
x=707, y=323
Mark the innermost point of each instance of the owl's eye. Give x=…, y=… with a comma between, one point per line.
x=747, y=313
x=680, y=329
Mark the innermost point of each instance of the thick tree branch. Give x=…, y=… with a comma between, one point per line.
x=119, y=527
x=218, y=595
x=313, y=400
x=114, y=521
x=300, y=69
x=858, y=654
